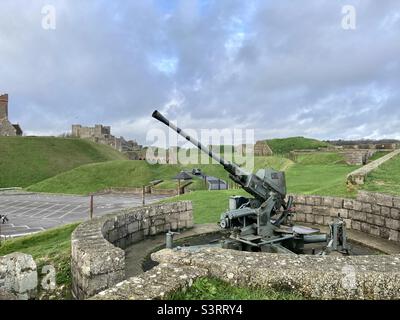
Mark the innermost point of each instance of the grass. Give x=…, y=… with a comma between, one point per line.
x=284, y=146
x=378, y=155
x=208, y=205
x=28, y=160
x=215, y=289
x=386, y=178
x=52, y=247
x=132, y=174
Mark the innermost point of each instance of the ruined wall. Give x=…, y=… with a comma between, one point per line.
x=357, y=157
x=102, y=134
x=372, y=213
x=261, y=149
x=6, y=127
x=98, y=257
x=4, y=106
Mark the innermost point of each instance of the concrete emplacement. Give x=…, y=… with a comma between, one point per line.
x=103, y=271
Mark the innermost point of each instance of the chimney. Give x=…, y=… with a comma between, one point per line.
x=4, y=106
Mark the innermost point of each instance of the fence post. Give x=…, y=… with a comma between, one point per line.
x=91, y=207
x=144, y=195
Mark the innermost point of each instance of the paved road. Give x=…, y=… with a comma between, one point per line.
x=29, y=212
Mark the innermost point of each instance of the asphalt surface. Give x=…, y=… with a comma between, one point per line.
x=29, y=212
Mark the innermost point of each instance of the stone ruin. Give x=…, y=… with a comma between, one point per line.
x=102, y=134
x=6, y=127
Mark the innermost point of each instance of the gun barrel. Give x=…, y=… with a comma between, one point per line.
x=231, y=168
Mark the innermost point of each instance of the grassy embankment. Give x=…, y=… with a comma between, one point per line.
x=386, y=178
x=28, y=160
x=284, y=146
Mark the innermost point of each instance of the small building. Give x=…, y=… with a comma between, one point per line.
x=6, y=127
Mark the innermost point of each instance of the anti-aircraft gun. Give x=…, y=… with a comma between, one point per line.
x=260, y=223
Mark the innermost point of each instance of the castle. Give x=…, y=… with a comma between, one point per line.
x=102, y=134
x=6, y=127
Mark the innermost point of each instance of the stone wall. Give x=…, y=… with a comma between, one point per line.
x=102, y=134
x=372, y=213
x=315, y=277
x=6, y=127
x=357, y=157
x=358, y=177
x=18, y=276
x=98, y=257
x=4, y=106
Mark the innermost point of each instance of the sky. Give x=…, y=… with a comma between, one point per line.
x=282, y=68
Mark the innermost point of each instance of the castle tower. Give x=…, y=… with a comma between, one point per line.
x=4, y=106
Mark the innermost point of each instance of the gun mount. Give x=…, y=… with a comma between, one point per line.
x=261, y=223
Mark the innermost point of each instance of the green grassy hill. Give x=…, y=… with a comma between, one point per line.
x=27, y=160
x=283, y=146
x=320, y=173
x=386, y=178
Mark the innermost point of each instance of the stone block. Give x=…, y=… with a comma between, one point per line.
x=333, y=212
x=365, y=196
x=365, y=227
x=299, y=199
x=348, y=204
x=384, y=200
x=343, y=213
x=327, y=201
x=366, y=207
x=318, y=201
x=356, y=225
x=392, y=224
x=384, y=233
x=348, y=222
x=309, y=218
x=136, y=237
x=320, y=211
x=300, y=217
x=308, y=209
x=319, y=219
x=357, y=205
x=394, y=235
x=395, y=213
x=375, y=220
x=338, y=203
x=396, y=203
x=133, y=227
x=376, y=209
x=310, y=200
x=327, y=220
x=359, y=216
x=375, y=231
x=385, y=212
x=18, y=275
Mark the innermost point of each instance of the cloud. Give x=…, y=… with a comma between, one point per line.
x=281, y=68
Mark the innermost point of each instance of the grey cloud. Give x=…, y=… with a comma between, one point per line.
x=293, y=69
